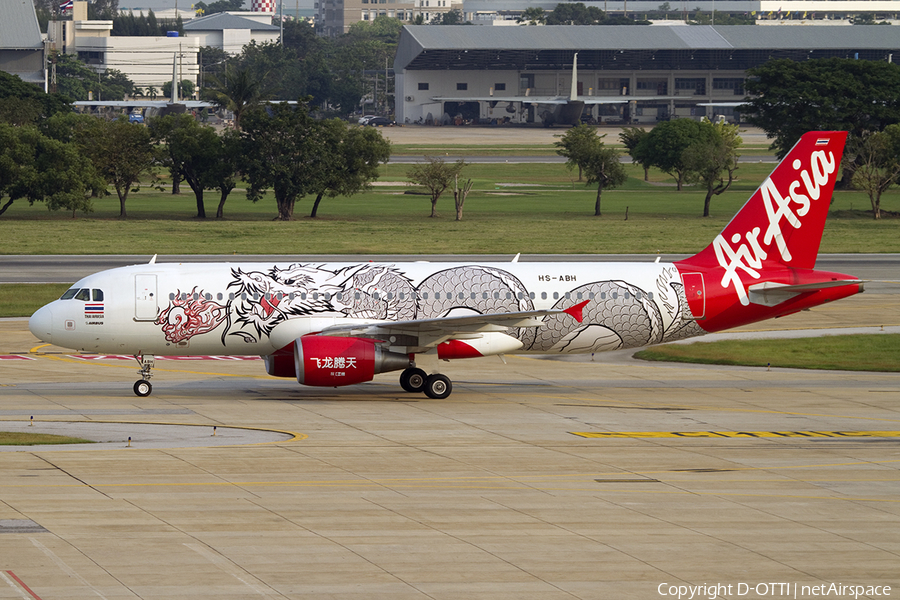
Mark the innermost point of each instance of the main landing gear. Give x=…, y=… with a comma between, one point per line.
x=436, y=387
x=142, y=386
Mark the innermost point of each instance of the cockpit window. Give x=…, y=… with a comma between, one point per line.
x=98, y=295
x=70, y=293
x=84, y=294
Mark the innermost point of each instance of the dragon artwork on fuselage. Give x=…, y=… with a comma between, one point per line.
x=620, y=315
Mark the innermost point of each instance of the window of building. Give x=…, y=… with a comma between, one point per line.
x=500, y=87
x=690, y=85
x=462, y=86
x=735, y=84
x=660, y=85
x=423, y=86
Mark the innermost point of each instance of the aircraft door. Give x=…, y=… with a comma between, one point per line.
x=145, y=305
x=695, y=292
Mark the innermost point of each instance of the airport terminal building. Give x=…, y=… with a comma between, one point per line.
x=644, y=73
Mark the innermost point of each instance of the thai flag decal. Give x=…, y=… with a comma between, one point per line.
x=93, y=311
x=822, y=142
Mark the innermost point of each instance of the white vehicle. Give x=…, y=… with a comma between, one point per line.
x=340, y=324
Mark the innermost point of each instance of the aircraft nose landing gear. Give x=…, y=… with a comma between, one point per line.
x=142, y=386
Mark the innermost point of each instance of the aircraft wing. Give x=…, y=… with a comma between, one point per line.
x=431, y=332
x=567, y=99
x=724, y=104
x=526, y=99
x=141, y=103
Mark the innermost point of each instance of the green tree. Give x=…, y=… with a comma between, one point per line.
x=218, y=6
x=39, y=168
x=280, y=144
x=185, y=89
x=236, y=90
x=585, y=149
x=121, y=152
x=188, y=149
x=711, y=157
x=533, y=15
x=631, y=137
x=435, y=176
x=22, y=102
x=451, y=17
x=664, y=145
x=348, y=160
x=223, y=175
x=604, y=168
x=75, y=79
x=878, y=164
x=789, y=98
x=576, y=13
x=576, y=144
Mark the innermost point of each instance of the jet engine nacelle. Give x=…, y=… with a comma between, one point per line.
x=334, y=361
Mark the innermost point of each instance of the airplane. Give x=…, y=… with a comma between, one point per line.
x=173, y=105
x=562, y=110
x=336, y=324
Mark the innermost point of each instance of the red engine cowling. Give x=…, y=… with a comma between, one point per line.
x=334, y=361
x=281, y=362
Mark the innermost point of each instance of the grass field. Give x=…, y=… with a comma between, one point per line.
x=838, y=352
x=11, y=438
x=528, y=208
x=22, y=299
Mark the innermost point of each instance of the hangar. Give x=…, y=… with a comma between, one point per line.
x=626, y=74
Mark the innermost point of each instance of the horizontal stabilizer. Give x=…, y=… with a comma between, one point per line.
x=771, y=293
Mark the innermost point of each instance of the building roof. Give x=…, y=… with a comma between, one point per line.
x=19, y=28
x=451, y=47
x=222, y=21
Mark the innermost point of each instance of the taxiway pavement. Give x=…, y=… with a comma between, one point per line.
x=538, y=479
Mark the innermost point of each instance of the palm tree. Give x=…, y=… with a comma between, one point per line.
x=237, y=90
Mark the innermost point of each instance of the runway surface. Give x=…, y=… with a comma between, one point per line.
x=538, y=479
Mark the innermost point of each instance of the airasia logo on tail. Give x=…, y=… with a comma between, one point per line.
x=746, y=251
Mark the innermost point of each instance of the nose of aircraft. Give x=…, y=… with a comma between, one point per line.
x=41, y=323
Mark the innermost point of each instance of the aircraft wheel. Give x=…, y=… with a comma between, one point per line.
x=413, y=380
x=142, y=388
x=438, y=387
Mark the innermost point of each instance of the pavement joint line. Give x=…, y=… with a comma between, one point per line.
x=229, y=568
x=66, y=568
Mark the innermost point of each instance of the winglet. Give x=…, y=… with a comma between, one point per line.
x=576, y=311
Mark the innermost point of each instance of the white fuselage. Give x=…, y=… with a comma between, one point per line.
x=258, y=308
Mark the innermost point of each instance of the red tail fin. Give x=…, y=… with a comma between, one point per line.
x=774, y=237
